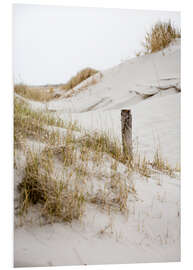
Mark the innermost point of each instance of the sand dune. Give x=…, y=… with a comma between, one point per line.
x=150, y=86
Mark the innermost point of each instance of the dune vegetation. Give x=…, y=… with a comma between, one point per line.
x=160, y=36
x=62, y=198
x=78, y=183
x=80, y=156
x=79, y=77
x=36, y=93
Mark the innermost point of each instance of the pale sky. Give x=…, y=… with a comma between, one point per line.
x=51, y=44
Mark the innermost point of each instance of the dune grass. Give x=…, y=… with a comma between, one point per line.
x=30, y=123
x=41, y=94
x=58, y=201
x=102, y=142
x=82, y=160
x=61, y=178
x=85, y=85
x=160, y=36
x=79, y=77
x=162, y=165
x=63, y=199
x=142, y=166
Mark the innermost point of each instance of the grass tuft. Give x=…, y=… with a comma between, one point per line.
x=160, y=36
x=29, y=123
x=41, y=94
x=102, y=142
x=58, y=202
x=142, y=166
x=162, y=165
x=79, y=77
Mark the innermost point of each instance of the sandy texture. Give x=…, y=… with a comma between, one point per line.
x=149, y=86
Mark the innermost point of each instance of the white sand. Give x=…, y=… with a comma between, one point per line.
x=151, y=232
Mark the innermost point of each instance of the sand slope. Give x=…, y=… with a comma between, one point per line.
x=151, y=230
x=122, y=85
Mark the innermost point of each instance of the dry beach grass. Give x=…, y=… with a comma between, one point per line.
x=79, y=77
x=81, y=159
x=37, y=93
x=74, y=188
x=160, y=36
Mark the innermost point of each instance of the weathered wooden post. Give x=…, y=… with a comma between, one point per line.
x=126, y=127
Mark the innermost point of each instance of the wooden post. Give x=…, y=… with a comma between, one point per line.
x=126, y=127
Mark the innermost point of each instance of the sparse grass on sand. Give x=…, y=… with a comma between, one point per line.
x=160, y=36
x=30, y=123
x=61, y=178
x=84, y=86
x=162, y=165
x=41, y=94
x=58, y=201
x=63, y=199
x=79, y=77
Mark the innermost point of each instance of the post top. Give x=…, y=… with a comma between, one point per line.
x=126, y=111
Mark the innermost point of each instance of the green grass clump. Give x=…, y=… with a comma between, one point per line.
x=160, y=36
x=79, y=77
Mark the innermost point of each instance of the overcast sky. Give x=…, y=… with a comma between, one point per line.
x=51, y=44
